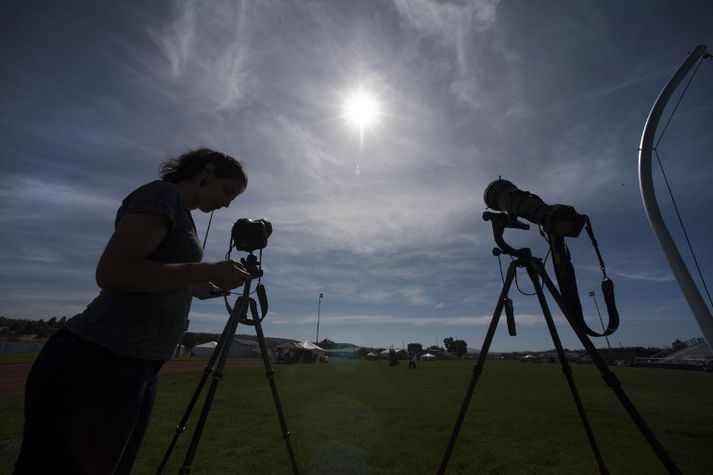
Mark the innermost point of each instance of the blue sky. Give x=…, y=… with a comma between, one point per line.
x=551, y=95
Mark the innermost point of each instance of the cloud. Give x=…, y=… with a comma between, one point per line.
x=50, y=194
x=43, y=302
x=462, y=31
x=203, y=318
x=358, y=319
x=650, y=276
x=207, y=47
x=323, y=202
x=448, y=19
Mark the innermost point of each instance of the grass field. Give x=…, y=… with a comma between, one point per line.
x=364, y=417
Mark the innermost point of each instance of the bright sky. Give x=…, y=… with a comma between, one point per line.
x=383, y=217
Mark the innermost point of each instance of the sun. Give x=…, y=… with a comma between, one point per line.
x=362, y=111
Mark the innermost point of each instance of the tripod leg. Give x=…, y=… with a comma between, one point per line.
x=610, y=378
x=228, y=331
x=275, y=396
x=566, y=369
x=478, y=369
x=240, y=310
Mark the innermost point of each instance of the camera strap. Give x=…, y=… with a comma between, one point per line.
x=205, y=239
x=567, y=281
x=607, y=287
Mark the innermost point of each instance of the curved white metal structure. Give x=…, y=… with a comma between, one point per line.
x=698, y=306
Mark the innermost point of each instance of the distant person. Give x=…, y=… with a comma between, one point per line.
x=393, y=358
x=90, y=392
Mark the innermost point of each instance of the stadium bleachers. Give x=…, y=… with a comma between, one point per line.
x=692, y=354
x=699, y=350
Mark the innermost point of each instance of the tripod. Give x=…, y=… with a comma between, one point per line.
x=536, y=272
x=237, y=314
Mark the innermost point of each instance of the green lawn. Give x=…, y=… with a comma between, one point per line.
x=364, y=417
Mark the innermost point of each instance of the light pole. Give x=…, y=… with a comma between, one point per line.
x=594, y=296
x=319, y=303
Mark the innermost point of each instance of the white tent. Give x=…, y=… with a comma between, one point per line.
x=303, y=351
x=427, y=357
x=240, y=348
x=204, y=349
x=308, y=345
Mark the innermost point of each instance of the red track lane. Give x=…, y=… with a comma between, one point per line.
x=13, y=375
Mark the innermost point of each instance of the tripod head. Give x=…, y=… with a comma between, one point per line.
x=252, y=265
x=564, y=270
x=500, y=221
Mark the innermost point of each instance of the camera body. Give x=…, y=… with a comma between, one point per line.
x=250, y=235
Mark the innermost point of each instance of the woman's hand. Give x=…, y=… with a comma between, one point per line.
x=206, y=290
x=228, y=274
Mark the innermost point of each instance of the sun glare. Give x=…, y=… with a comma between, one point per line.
x=362, y=111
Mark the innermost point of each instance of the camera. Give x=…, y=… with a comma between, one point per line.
x=250, y=235
x=558, y=220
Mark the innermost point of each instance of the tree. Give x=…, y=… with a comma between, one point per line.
x=448, y=343
x=327, y=344
x=459, y=347
x=189, y=341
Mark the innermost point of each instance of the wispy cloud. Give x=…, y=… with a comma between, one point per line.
x=651, y=276
x=465, y=321
x=51, y=194
x=207, y=46
x=461, y=32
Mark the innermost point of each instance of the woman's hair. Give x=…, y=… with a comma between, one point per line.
x=190, y=164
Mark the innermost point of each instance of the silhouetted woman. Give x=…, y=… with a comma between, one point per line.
x=90, y=392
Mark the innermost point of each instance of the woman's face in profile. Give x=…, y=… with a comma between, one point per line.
x=217, y=193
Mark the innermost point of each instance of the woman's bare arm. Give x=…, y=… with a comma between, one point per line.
x=124, y=264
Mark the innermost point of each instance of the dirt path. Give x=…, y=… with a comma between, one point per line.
x=12, y=378
x=13, y=375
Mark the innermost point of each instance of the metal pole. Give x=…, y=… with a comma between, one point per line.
x=698, y=306
x=319, y=303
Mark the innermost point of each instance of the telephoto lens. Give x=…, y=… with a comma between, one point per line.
x=560, y=220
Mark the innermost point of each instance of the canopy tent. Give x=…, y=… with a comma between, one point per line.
x=302, y=345
x=303, y=351
x=204, y=349
x=401, y=354
x=427, y=357
x=308, y=345
x=239, y=348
